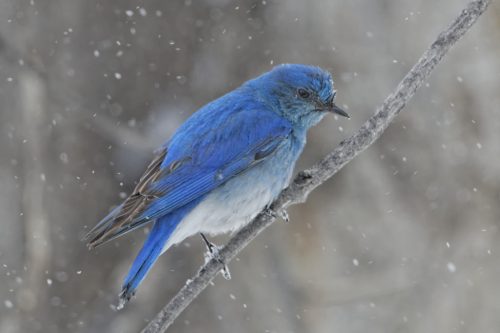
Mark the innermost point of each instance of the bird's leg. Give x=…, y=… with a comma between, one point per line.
x=210, y=246
x=213, y=253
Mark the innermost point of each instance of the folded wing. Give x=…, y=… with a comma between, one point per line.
x=200, y=157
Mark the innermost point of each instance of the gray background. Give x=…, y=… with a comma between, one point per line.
x=404, y=239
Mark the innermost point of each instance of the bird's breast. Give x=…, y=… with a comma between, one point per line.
x=235, y=203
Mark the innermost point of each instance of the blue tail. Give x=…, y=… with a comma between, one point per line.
x=151, y=250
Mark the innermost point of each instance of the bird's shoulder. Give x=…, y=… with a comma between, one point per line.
x=237, y=118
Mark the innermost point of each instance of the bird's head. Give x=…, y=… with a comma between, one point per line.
x=303, y=94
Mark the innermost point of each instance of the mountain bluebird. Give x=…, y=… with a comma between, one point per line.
x=225, y=164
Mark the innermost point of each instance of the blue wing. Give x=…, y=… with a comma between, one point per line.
x=210, y=148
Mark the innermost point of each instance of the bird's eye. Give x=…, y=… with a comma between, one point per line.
x=303, y=93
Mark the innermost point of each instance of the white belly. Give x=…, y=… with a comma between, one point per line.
x=212, y=216
x=236, y=203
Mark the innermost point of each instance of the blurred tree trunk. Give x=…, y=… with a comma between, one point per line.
x=33, y=295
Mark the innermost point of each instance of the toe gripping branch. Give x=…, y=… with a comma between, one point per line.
x=213, y=250
x=282, y=213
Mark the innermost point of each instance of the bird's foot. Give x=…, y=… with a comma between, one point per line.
x=282, y=213
x=213, y=253
x=305, y=174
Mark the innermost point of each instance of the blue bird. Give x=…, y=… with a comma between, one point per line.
x=225, y=164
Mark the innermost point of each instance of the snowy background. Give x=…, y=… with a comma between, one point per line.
x=404, y=239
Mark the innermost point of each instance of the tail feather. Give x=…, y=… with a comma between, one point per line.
x=151, y=250
x=147, y=256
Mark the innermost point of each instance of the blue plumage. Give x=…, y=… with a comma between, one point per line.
x=205, y=167
x=223, y=165
x=153, y=247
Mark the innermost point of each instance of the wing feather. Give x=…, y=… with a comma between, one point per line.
x=194, y=166
x=119, y=220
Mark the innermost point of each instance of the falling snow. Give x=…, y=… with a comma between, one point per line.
x=8, y=304
x=90, y=91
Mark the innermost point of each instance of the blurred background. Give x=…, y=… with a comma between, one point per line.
x=404, y=239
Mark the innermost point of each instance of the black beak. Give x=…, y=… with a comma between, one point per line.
x=335, y=109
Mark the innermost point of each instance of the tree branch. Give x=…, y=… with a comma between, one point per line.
x=309, y=179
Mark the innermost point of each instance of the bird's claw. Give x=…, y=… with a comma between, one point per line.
x=213, y=253
x=282, y=213
x=305, y=174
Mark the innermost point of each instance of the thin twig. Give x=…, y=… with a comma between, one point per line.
x=308, y=180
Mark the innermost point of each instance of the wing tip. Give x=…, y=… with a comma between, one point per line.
x=99, y=234
x=92, y=240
